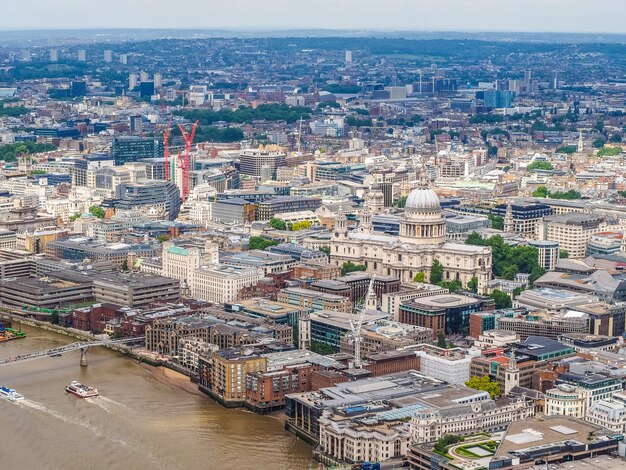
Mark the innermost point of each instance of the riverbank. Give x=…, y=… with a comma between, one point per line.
x=172, y=378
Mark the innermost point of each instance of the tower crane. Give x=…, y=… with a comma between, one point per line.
x=355, y=326
x=183, y=163
x=166, y=147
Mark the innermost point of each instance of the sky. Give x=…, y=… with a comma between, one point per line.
x=605, y=16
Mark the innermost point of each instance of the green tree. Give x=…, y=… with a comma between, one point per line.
x=54, y=317
x=567, y=149
x=541, y=191
x=75, y=217
x=436, y=272
x=260, y=243
x=441, y=340
x=472, y=285
x=401, y=202
x=538, y=165
x=278, y=224
x=97, y=211
x=302, y=225
x=509, y=272
x=501, y=299
x=497, y=222
x=485, y=384
x=325, y=249
x=563, y=254
x=349, y=267
x=609, y=151
x=322, y=348
x=125, y=265
x=162, y=238
x=453, y=285
x=419, y=277
x=599, y=143
x=446, y=441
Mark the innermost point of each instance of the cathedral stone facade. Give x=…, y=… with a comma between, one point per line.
x=422, y=240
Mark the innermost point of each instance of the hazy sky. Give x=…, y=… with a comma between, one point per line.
x=608, y=16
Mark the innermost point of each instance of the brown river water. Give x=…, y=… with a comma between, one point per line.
x=144, y=418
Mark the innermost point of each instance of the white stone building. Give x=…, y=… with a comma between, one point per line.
x=220, y=283
x=422, y=240
x=431, y=424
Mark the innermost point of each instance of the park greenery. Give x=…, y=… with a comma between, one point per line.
x=321, y=348
x=356, y=122
x=542, y=191
x=509, y=260
x=266, y=112
x=567, y=149
x=214, y=134
x=485, y=384
x=280, y=224
x=446, y=441
x=260, y=243
x=350, y=267
x=609, y=151
x=539, y=165
x=15, y=111
x=10, y=152
x=74, y=217
x=162, y=238
x=419, y=277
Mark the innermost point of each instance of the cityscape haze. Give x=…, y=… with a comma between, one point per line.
x=313, y=234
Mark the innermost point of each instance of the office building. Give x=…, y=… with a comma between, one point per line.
x=82, y=55
x=108, y=55
x=157, y=199
x=252, y=161
x=222, y=284
x=132, y=149
x=548, y=253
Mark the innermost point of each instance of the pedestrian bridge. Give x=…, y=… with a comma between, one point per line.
x=82, y=346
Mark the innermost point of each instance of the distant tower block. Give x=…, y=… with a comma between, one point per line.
x=108, y=55
x=82, y=55
x=581, y=145
x=348, y=57
x=54, y=55
x=124, y=59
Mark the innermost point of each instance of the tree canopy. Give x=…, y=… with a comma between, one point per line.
x=539, y=165
x=260, y=243
x=510, y=260
x=501, y=299
x=484, y=383
x=349, y=267
x=302, y=225
x=267, y=112
x=436, y=272
x=97, y=211
x=278, y=224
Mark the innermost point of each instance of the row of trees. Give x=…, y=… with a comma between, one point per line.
x=280, y=224
x=542, y=191
x=266, y=112
x=9, y=152
x=260, y=243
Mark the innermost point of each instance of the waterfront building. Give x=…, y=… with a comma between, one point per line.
x=223, y=374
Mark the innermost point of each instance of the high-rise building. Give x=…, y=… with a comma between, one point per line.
x=136, y=124
x=158, y=79
x=124, y=59
x=144, y=76
x=253, y=160
x=132, y=81
x=79, y=88
x=108, y=55
x=131, y=149
x=54, y=55
x=348, y=57
x=82, y=55
x=146, y=89
x=156, y=198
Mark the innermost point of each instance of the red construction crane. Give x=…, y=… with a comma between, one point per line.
x=166, y=148
x=183, y=164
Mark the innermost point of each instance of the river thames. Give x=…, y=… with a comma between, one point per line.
x=143, y=419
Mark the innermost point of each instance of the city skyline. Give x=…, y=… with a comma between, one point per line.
x=402, y=15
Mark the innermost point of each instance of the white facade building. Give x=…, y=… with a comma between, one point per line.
x=220, y=283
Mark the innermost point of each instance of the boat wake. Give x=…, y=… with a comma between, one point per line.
x=66, y=419
x=108, y=405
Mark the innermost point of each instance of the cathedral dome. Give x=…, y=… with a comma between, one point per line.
x=422, y=200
